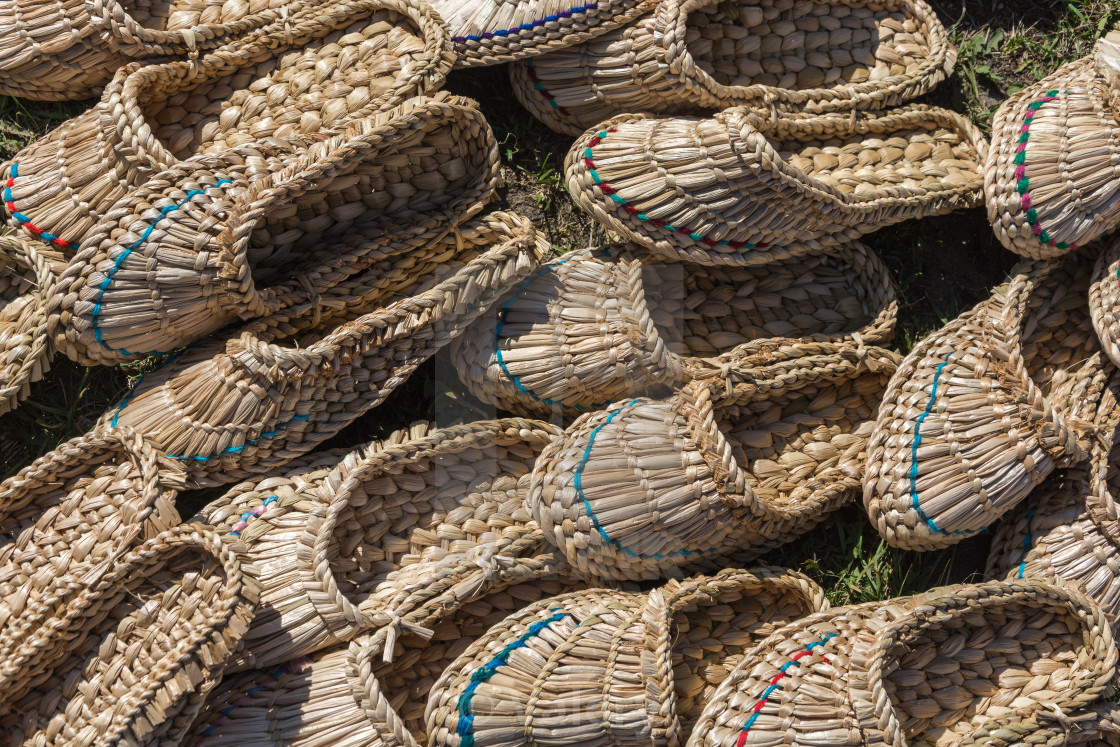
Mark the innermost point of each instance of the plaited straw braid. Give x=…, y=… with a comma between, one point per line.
x=611, y=667
x=648, y=488
x=26, y=279
x=1051, y=173
x=600, y=325
x=982, y=410
x=783, y=55
x=64, y=519
x=1054, y=538
x=150, y=642
x=942, y=667
x=350, y=695
x=1104, y=476
x=339, y=65
x=293, y=394
x=178, y=260
x=743, y=188
x=337, y=553
x=487, y=32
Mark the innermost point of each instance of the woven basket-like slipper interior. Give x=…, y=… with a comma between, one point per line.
x=489, y=32
x=934, y=684
x=392, y=185
x=620, y=666
x=815, y=56
x=961, y=437
x=153, y=643
x=317, y=701
x=738, y=188
x=639, y=490
x=404, y=506
x=1052, y=177
x=228, y=409
x=1053, y=537
x=26, y=278
x=564, y=335
x=320, y=79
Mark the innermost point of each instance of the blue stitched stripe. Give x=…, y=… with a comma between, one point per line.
x=482, y=674
x=1027, y=542
x=526, y=26
x=578, y=484
x=96, y=316
x=915, y=443
x=503, y=317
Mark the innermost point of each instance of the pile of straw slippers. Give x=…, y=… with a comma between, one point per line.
x=279, y=203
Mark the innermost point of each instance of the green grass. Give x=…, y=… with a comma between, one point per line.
x=942, y=266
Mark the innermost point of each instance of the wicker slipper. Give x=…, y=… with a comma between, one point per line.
x=742, y=188
x=231, y=408
x=281, y=90
x=26, y=279
x=689, y=55
x=336, y=552
x=491, y=32
x=612, y=668
x=1053, y=173
x=63, y=518
x=600, y=325
x=139, y=649
x=965, y=664
x=647, y=488
x=350, y=696
x=982, y=410
x=382, y=193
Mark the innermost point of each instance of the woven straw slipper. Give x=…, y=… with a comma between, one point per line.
x=184, y=255
x=743, y=188
x=1054, y=538
x=603, y=324
x=337, y=66
x=336, y=554
x=140, y=650
x=53, y=50
x=609, y=667
x=231, y=408
x=489, y=32
x=966, y=664
x=1053, y=173
x=689, y=55
x=63, y=518
x=982, y=410
x=350, y=696
x=26, y=279
x=646, y=488
x=1104, y=299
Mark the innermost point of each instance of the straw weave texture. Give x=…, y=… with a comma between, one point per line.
x=26, y=279
x=781, y=55
x=601, y=325
x=743, y=188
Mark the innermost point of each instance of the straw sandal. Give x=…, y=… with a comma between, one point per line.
x=140, y=648
x=490, y=33
x=182, y=256
x=231, y=408
x=1054, y=538
x=1052, y=176
x=741, y=188
x=336, y=554
x=1104, y=299
x=63, y=518
x=982, y=410
x=690, y=55
x=603, y=324
x=612, y=668
x=26, y=279
x=647, y=488
x=952, y=666
x=57, y=50
x=337, y=65
x=351, y=696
